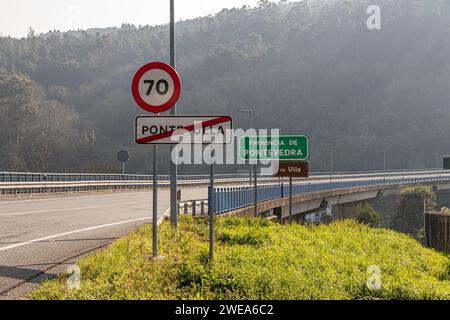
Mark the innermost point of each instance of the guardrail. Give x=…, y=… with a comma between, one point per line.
x=75, y=186
x=228, y=199
x=53, y=177
x=68, y=177
x=19, y=182
x=70, y=186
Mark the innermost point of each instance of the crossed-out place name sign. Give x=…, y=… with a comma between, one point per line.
x=190, y=130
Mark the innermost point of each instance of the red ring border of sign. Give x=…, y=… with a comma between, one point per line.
x=176, y=92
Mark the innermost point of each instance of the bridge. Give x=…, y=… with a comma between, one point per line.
x=48, y=221
x=340, y=194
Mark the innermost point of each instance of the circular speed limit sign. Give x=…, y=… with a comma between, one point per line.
x=156, y=87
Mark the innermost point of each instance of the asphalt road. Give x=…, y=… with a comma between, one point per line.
x=41, y=237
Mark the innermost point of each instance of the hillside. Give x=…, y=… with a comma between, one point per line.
x=307, y=67
x=256, y=259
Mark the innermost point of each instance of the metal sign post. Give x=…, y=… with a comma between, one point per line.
x=290, y=200
x=424, y=217
x=330, y=147
x=255, y=186
x=155, y=203
x=173, y=112
x=123, y=157
x=211, y=211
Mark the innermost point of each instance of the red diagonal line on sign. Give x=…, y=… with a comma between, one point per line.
x=160, y=136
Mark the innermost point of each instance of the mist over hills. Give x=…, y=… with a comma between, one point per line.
x=307, y=67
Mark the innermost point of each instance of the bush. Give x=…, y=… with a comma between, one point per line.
x=365, y=214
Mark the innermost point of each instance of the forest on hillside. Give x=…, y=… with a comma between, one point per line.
x=305, y=67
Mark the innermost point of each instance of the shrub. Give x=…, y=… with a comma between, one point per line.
x=365, y=214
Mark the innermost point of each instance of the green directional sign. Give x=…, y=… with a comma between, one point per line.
x=283, y=147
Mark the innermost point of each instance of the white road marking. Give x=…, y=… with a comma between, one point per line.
x=73, y=209
x=17, y=245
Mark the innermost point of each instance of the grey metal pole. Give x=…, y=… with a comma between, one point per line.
x=123, y=168
x=404, y=216
x=384, y=165
x=290, y=200
x=250, y=113
x=437, y=160
x=155, y=203
x=255, y=185
x=173, y=111
x=211, y=211
x=251, y=127
x=330, y=146
x=424, y=218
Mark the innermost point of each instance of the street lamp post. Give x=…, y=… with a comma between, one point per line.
x=384, y=159
x=384, y=165
x=437, y=154
x=250, y=113
x=330, y=149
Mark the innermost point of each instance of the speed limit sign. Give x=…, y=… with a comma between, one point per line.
x=156, y=87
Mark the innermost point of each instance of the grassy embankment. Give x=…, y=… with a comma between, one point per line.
x=256, y=259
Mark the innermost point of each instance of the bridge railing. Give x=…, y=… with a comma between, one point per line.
x=228, y=199
x=69, y=177
x=29, y=183
x=60, y=177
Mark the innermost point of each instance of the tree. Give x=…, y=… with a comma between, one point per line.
x=265, y=4
x=31, y=33
x=55, y=138
x=413, y=203
x=34, y=132
x=365, y=214
x=19, y=100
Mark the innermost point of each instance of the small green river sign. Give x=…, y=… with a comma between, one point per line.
x=283, y=147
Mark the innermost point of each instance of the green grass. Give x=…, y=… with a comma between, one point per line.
x=257, y=259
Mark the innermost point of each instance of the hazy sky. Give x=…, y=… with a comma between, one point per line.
x=16, y=16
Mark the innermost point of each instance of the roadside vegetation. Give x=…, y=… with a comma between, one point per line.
x=257, y=259
x=413, y=201
x=365, y=214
